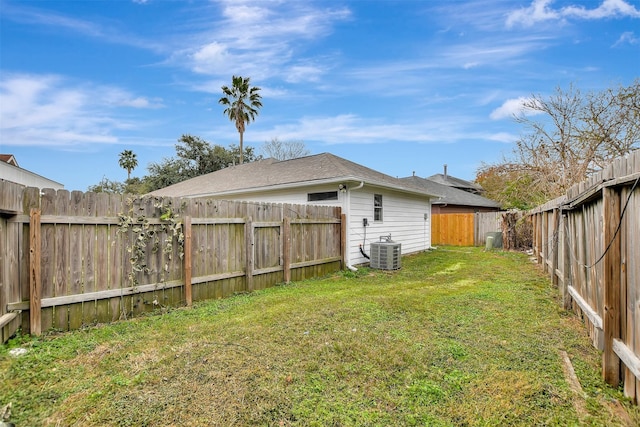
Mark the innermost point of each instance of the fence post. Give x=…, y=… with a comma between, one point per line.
x=188, y=290
x=534, y=235
x=612, y=278
x=554, y=246
x=248, y=240
x=539, y=230
x=286, y=249
x=566, y=263
x=544, y=240
x=35, y=282
x=476, y=229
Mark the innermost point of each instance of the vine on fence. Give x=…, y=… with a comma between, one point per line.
x=147, y=236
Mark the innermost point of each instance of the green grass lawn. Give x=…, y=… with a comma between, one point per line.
x=459, y=336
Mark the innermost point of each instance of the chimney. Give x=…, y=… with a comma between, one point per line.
x=445, y=172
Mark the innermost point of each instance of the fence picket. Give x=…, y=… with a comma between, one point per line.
x=102, y=256
x=35, y=282
x=47, y=206
x=75, y=257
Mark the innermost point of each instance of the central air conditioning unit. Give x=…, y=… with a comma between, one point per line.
x=385, y=254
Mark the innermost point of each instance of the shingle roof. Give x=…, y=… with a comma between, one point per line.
x=271, y=174
x=451, y=195
x=452, y=181
x=9, y=158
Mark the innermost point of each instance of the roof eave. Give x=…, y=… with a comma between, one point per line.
x=275, y=187
x=325, y=181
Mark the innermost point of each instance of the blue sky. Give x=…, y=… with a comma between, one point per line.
x=398, y=86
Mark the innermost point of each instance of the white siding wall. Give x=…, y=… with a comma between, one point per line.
x=403, y=216
x=293, y=195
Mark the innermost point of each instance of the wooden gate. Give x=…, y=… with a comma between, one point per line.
x=452, y=229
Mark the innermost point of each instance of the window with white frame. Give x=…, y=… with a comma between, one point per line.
x=377, y=207
x=319, y=197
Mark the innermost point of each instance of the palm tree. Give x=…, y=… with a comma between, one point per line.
x=242, y=102
x=128, y=161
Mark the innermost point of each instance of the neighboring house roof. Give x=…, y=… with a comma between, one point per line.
x=451, y=195
x=10, y=171
x=271, y=174
x=452, y=181
x=9, y=158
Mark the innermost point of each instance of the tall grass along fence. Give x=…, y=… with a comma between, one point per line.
x=589, y=242
x=73, y=258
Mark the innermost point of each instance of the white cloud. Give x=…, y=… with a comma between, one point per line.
x=244, y=13
x=303, y=72
x=210, y=58
x=538, y=11
x=490, y=51
x=608, y=9
x=353, y=129
x=512, y=107
x=628, y=37
x=277, y=19
x=140, y=102
x=542, y=10
x=259, y=39
x=48, y=110
x=46, y=18
x=42, y=17
x=503, y=137
x=110, y=96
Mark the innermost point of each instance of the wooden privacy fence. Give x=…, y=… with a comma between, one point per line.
x=589, y=243
x=73, y=258
x=483, y=223
x=467, y=229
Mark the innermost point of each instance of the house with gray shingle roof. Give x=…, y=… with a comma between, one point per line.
x=453, y=199
x=452, y=181
x=374, y=204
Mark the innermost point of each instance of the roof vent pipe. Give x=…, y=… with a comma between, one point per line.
x=445, y=172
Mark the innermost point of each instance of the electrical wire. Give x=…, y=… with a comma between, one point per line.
x=364, y=240
x=615, y=234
